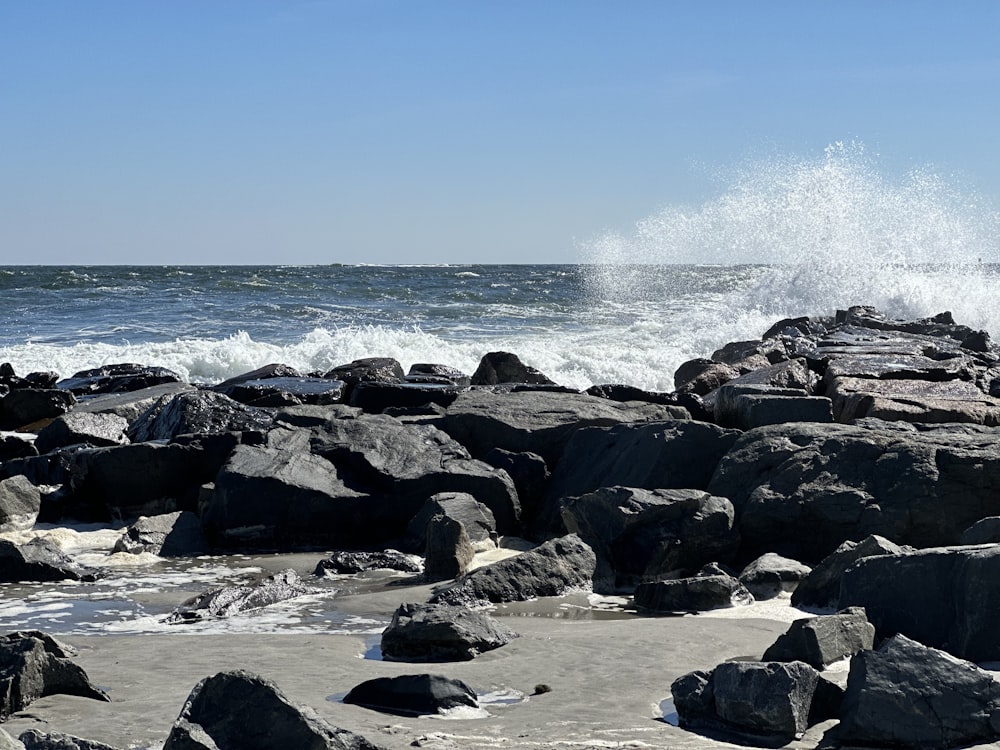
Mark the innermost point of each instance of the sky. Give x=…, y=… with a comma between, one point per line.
x=438, y=131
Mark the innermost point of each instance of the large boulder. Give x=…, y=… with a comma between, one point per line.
x=82, y=427
x=32, y=666
x=801, y=490
x=132, y=404
x=699, y=593
x=476, y=518
x=243, y=711
x=821, y=641
x=440, y=632
x=821, y=587
x=38, y=560
x=197, y=412
x=907, y=695
x=538, y=421
x=449, y=552
x=34, y=739
x=349, y=562
x=647, y=534
x=117, y=378
x=20, y=502
x=227, y=601
x=503, y=367
x=176, y=534
x=771, y=575
x=551, y=569
x=285, y=391
x=26, y=407
x=412, y=694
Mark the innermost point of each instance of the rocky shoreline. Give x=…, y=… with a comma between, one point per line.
x=846, y=468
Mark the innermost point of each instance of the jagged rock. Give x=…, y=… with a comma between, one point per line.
x=984, y=531
x=748, y=406
x=439, y=632
x=348, y=563
x=448, y=552
x=27, y=406
x=646, y=534
x=770, y=575
x=537, y=421
x=821, y=641
x=907, y=695
x=132, y=404
x=119, y=378
x=196, y=412
x=243, y=711
x=20, y=502
x=476, y=518
x=33, y=666
x=821, y=588
x=551, y=569
x=802, y=489
x=82, y=427
x=763, y=699
x=273, y=370
x=38, y=560
x=699, y=593
x=231, y=600
x=412, y=694
x=169, y=535
x=678, y=454
x=423, y=372
x=504, y=367
x=33, y=739
x=701, y=376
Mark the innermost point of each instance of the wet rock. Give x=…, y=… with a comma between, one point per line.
x=231, y=600
x=412, y=695
x=196, y=412
x=377, y=397
x=622, y=392
x=701, y=376
x=267, y=372
x=536, y=421
x=647, y=534
x=33, y=666
x=439, y=632
x=33, y=739
x=699, y=593
x=770, y=575
x=20, y=502
x=349, y=563
x=821, y=641
x=82, y=428
x=243, y=711
x=476, y=518
x=801, y=490
x=423, y=373
x=38, y=560
x=551, y=569
x=906, y=695
x=118, y=378
x=504, y=367
x=24, y=407
x=285, y=391
x=821, y=588
x=448, y=552
x=169, y=535
x=133, y=404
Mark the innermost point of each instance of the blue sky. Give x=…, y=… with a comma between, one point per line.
x=248, y=131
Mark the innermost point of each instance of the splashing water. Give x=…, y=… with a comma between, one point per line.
x=833, y=232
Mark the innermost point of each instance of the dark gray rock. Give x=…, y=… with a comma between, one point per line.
x=647, y=534
x=16, y=446
x=439, y=632
x=678, y=454
x=821, y=641
x=197, y=412
x=243, y=711
x=696, y=594
x=267, y=372
x=504, y=367
x=802, y=489
x=538, y=421
x=33, y=666
x=530, y=475
x=133, y=404
x=749, y=406
x=38, y=560
x=33, y=739
x=231, y=600
x=551, y=569
x=983, y=531
x=448, y=552
x=412, y=694
x=702, y=376
x=28, y=406
x=82, y=427
x=118, y=378
x=421, y=372
x=770, y=575
x=476, y=518
x=906, y=695
x=176, y=534
x=20, y=502
x=375, y=398
x=349, y=563
x=821, y=588
x=368, y=370
x=285, y=391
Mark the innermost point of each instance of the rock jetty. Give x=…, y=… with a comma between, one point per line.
x=851, y=462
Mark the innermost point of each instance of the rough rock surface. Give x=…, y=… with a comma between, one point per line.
x=503, y=367
x=196, y=412
x=821, y=588
x=821, y=641
x=698, y=593
x=20, y=502
x=440, y=632
x=117, y=378
x=346, y=562
x=230, y=600
x=33, y=739
x=170, y=535
x=771, y=574
x=476, y=518
x=38, y=560
x=243, y=711
x=82, y=427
